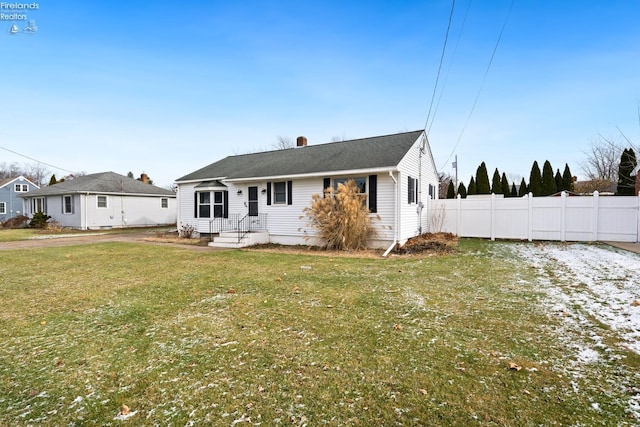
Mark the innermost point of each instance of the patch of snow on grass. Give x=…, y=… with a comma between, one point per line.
x=591, y=288
x=593, y=281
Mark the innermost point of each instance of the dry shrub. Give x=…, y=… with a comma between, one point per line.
x=439, y=243
x=19, y=221
x=341, y=217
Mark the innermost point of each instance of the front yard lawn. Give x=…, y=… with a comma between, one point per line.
x=118, y=333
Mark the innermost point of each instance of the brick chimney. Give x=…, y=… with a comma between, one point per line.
x=144, y=178
x=301, y=141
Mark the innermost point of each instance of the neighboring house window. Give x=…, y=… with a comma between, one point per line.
x=3, y=208
x=102, y=201
x=204, y=205
x=412, y=190
x=67, y=204
x=21, y=188
x=164, y=203
x=38, y=204
x=280, y=193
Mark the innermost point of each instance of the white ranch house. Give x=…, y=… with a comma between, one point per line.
x=104, y=200
x=260, y=197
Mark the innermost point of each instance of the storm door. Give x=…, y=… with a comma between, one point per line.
x=253, y=201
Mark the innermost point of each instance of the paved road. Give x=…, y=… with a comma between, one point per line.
x=94, y=238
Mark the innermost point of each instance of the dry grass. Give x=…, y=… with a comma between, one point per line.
x=254, y=337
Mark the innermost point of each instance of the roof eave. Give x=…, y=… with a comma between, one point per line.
x=367, y=171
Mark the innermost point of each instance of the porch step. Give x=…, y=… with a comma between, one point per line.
x=229, y=239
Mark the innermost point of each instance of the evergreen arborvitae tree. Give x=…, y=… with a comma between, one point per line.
x=496, y=184
x=462, y=191
x=451, y=192
x=473, y=189
x=506, y=190
x=559, y=182
x=53, y=180
x=626, y=184
x=482, y=180
x=548, y=180
x=523, y=190
x=535, y=180
x=567, y=179
x=514, y=190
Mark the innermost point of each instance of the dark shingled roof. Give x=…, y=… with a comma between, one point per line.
x=104, y=182
x=366, y=153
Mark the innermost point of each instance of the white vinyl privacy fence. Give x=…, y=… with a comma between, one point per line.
x=562, y=218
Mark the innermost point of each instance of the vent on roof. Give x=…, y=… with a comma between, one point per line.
x=301, y=141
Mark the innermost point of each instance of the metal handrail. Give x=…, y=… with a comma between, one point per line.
x=241, y=225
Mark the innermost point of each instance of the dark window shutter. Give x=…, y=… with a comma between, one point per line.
x=62, y=204
x=411, y=194
x=195, y=204
x=326, y=183
x=373, y=193
x=225, y=204
x=268, y=193
x=289, y=192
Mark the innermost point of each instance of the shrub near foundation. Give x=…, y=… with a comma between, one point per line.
x=341, y=217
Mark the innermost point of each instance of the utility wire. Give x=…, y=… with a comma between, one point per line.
x=444, y=48
x=446, y=78
x=36, y=160
x=484, y=79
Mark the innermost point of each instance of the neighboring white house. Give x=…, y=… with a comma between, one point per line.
x=268, y=191
x=104, y=200
x=11, y=205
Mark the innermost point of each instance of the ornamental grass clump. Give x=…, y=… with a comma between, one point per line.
x=341, y=217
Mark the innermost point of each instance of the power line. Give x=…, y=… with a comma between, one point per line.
x=36, y=160
x=484, y=79
x=444, y=47
x=455, y=50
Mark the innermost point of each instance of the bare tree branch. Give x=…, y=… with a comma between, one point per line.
x=283, y=142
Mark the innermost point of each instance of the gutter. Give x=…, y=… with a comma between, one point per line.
x=395, y=215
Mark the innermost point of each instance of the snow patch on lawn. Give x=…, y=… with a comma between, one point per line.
x=594, y=289
x=586, y=281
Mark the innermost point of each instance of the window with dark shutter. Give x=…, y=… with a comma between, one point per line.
x=411, y=190
x=373, y=193
x=268, y=193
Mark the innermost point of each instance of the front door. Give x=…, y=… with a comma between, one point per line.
x=253, y=201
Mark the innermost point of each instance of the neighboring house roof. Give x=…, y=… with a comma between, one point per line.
x=7, y=181
x=101, y=183
x=368, y=153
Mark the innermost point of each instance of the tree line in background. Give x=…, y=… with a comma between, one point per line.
x=546, y=182
x=543, y=183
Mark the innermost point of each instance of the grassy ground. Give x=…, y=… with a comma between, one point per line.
x=15, y=234
x=245, y=337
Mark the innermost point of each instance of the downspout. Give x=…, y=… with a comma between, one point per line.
x=395, y=215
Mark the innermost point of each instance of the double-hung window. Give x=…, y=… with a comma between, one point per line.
x=102, y=201
x=67, y=204
x=204, y=204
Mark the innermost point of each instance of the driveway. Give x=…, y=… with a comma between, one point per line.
x=92, y=238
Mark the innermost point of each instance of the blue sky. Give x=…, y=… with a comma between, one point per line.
x=166, y=87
